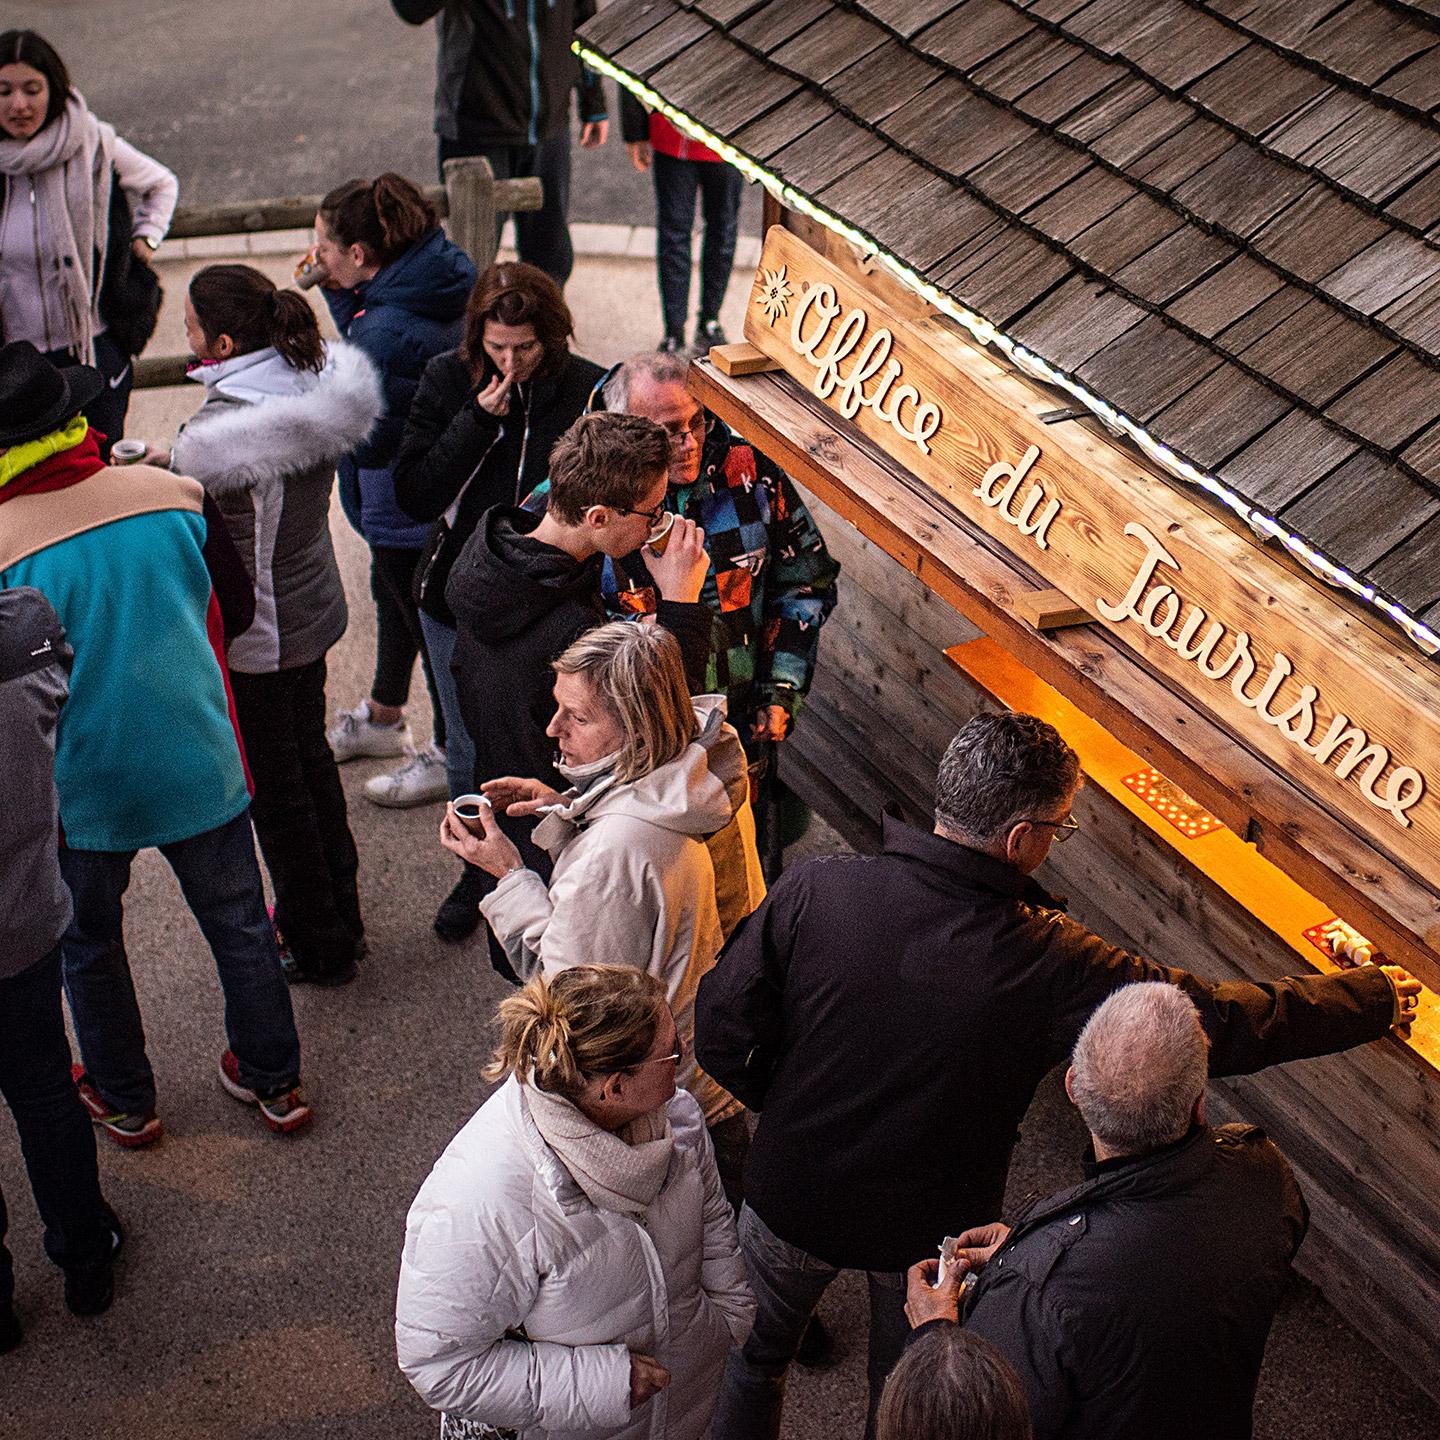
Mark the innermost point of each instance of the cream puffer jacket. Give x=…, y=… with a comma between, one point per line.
x=520, y=1301
x=637, y=867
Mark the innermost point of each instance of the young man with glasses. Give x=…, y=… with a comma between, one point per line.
x=891, y=1017
x=526, y=585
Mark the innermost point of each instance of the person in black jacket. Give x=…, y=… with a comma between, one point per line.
x=891, y=1017
x=1136, y=1303
x=503, y=76
x=527, y=585
x=479, y=433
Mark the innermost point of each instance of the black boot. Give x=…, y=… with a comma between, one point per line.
x=459, y=915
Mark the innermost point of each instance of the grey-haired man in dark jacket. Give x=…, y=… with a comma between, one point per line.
x=81, y=1231
x=1136, y=1303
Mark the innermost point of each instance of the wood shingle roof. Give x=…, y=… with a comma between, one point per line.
x=1220, y=216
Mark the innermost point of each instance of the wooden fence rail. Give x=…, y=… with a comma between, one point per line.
x=471, y=199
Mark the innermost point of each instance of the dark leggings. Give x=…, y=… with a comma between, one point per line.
x=398, y=639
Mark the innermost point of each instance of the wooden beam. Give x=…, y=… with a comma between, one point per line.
x=1051, y=610
x=1087, y=665
x=741, y=358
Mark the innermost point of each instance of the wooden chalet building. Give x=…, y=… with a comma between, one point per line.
x=1106, y=337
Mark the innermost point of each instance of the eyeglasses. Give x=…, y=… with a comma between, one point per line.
x=694, y=427
x=653, y=516
x=1064, y=829
x=656, y=1060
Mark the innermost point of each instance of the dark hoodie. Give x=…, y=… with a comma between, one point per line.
x=518, y=603
x=409, y=313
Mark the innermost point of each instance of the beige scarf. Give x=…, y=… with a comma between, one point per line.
x=69, y=162
x=620, y=1170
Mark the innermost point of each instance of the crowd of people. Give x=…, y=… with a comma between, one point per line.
x=720, y=1084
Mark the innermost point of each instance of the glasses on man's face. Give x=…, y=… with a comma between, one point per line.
x=1064, y=829
x=658, y=1060
x=653, y=516
x=694, y=428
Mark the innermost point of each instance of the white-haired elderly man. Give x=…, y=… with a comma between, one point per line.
x=1137, y=1303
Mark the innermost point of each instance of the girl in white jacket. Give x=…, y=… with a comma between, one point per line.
x=571, y=1267
x=656, y=821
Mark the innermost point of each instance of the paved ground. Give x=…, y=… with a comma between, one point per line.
x=255, y=1296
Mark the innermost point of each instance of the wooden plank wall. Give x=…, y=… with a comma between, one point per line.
x=1360, y=1129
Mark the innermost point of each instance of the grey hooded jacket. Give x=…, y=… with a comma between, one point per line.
x=34, y=681
x=265, y=446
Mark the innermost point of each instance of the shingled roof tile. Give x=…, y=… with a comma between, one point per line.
x=972, y=32
x=1388, y=154
x=1419, y=204
x=1241, y=189
x=953, y=129
x=1316, y=352
x=1147, y=368
x=924, y=227
x=776, y=22
x=782, y=126
x=1256, y=89
x=659, y=44
x=824, y=154
x=1362, y=511
x=1084, y=79
x=1076, y=206
x=1317, y=233
x=1365, y=40
x=1237, y=337
x=1416, y=83
x=1179, y=260
x=1411, y=571
x=1416, y=316
x=1393, y=267
x=907, y=17
x=1013, y=279
x=1120, y=236
x=1101, y=114
x=1023, y=65
x=1176, y=159
x=1143, y=130
x=1224, y=297
x=883, y=80
x=1288, y=460
x=1391, y=405
x=820, y=52
x=1223, y=413
x=619, y=25
x=1423, y=453
x=1075, y=322
x=1180, y=51
x=1033, y=169
x=736, y=87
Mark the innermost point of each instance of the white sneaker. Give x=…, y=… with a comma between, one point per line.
x=354, y=735
x=418, y=782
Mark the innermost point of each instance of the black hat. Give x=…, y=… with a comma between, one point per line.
x=37, y=397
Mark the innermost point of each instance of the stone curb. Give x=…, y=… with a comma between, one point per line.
x=615, y=242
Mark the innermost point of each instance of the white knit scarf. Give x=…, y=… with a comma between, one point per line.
x=69, y=162
x=619, y=1170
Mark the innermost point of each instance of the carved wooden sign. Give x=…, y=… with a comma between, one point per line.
x=1354, y=721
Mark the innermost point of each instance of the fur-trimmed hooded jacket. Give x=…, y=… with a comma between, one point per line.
x=265, y=446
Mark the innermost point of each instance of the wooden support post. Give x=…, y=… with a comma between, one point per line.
x=741, y=358
x=1050, y=610
x=477, y=201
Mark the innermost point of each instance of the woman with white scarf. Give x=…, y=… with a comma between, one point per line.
x=571, y=1267
x=68, y=281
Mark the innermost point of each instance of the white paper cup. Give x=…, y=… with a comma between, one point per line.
x=659, y=537
x=469, y=808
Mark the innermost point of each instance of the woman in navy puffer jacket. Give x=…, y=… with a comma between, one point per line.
x=396, y=288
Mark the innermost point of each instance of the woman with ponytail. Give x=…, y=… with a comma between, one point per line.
x=396, y=287
x=571, y=1265
x=81, y=212
x=281, y=409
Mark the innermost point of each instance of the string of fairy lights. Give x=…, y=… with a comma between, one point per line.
x=985, y=333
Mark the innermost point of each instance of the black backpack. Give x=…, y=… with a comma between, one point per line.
x=130, y=291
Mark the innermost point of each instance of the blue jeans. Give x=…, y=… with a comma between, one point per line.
x=676, y=185
x=459, y=748
x=55, y=1134
x=220, y=879
x=788, y=1283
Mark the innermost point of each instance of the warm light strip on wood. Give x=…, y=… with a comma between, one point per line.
x=1265, y=891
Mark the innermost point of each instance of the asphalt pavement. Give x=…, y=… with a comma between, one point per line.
x=255, y=1295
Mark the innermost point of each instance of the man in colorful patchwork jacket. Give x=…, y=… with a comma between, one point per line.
x=772, y=582
x=146, y=753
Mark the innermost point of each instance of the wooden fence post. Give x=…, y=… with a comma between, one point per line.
x=470, y=186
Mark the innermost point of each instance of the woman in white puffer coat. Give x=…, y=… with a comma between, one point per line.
x=571, y=1266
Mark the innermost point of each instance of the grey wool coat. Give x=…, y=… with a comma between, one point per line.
x=265, y=445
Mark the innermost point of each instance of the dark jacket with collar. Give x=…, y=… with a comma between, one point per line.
x=892, y=1015
x=1137, y=1304
x=455, y=450
x=409, y=313
x=504, y=69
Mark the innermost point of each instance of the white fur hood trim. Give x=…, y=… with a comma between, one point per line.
x=230, y=446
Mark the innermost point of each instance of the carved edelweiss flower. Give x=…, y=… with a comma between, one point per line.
x=773, y=294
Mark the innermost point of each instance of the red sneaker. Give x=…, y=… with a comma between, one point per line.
x=130, y=1131
x=283, y=1113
